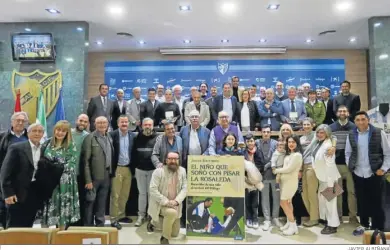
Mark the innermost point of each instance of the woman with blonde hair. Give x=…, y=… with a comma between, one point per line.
x=63, y=207
x=249, y=115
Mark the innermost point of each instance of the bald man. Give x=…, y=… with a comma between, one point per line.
x=134, y=106
x=119, y=108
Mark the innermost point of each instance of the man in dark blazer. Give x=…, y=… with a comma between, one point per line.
x=122, y=140
x=226, y=98
x=99, y=106
x=97, y=151
x=346, y=98
x=148, y=107
x=119, y=108
x=17, y=178
x=328, y=102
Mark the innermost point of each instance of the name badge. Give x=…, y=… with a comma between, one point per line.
x=293, y=115
x=169, y=115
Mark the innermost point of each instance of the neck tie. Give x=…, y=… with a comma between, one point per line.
x=292, y=106
x=104, y=103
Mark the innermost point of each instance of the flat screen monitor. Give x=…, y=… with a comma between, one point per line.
x=32, y=47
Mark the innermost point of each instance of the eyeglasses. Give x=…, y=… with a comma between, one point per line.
x=173, y=159
x=20, y=120
x=194, y=117
x=223, y=117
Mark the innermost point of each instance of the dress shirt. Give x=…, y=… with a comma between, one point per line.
x=227, y=107
x=326, y=104
x=120, y=104
x=123, y=149
x=213, y=146
x=312, y=103
x=363, y=168
x=194, y=147
x=153, y=103
x=36, y=154
x=377, y=117
x=18, y=136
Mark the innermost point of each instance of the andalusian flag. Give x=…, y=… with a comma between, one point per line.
x=41, y=115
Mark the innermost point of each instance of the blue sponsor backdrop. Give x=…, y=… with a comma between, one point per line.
x=318, y=72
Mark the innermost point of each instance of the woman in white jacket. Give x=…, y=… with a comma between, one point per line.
x=327, y=174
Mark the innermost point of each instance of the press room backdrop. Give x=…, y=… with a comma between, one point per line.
x=354, y=61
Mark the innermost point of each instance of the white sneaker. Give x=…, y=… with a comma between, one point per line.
x=276, y=222
x=266, y=225
x=139, y=221
x=291, y=230
x=255, y=225
x=285, y=227
x=249, y=223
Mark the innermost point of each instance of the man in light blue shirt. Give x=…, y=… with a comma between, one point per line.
x=367, y=154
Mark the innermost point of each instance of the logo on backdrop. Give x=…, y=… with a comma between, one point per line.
x=223, y=68
x=30, y=85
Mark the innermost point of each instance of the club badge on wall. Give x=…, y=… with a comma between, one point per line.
x=30, y=85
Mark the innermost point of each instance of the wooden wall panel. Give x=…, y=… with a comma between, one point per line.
x=355, y=64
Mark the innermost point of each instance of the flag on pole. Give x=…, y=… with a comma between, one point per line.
x=18, y=107
x=60, y=111
x=41, y=115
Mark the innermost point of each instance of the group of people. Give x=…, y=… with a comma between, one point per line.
x=104, y=159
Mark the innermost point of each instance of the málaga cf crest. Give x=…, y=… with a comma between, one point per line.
x=223, y=68
x=30, y=85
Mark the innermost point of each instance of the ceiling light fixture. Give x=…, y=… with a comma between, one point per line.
x=218, y=50
x=228, y=8
x=115, y=10
x=187, y=41
x=184, y=8
x=99, y=42
x=383, y=57
x=343, y=6
x=79, y=29
x=53, y=11
x=352, y=39
x=309, y=40
x=263, y=40
x=27, y=29
x=86, y=44
x=141, y=42
x=376, y=25
x=273, y=6
x=224, y=41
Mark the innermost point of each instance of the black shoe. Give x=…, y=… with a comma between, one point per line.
x=164, y=241
x=323, y=222
x=298, y=221
x=117, y=225
x=126, y=220
x=150, y=227
x=329, y=230
x=182, y=224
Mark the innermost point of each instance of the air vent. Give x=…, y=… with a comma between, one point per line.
x=124, y=34
x=326, y=32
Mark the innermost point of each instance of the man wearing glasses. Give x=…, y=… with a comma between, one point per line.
x=17, y=133
x=340, y=129
x=168, y=189
x=168, y=142
x=222, y=129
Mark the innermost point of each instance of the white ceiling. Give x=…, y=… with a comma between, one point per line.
x=160, y=23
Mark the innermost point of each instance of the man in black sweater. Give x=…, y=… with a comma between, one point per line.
x=167, y=111
x=142, y=150
x=346, y=98
x=340, y=129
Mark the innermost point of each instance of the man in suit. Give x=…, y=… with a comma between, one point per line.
x=17, y=178
x=346, y=98
x=270, y=111
x=99, y=106
x=148, y=107
x=97, y=153
x=201, y=107
x=133, y=106
x=119, y=108
x=235, y=86
x=280, y=95
x=293, y=109
x=226, y=102
x=122, y=140
x=330, y=116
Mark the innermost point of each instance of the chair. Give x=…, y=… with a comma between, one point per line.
x=368, y=234
x=76, y=237
x=113, y=232
x=27, y=236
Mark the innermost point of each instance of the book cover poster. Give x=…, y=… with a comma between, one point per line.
x=215, y=199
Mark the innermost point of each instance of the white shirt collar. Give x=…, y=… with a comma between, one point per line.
x=33, y=145
x=13, y=133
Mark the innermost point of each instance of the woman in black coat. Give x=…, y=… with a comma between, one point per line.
x=249, y=117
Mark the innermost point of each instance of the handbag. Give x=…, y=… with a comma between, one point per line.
x=375, y=235
x=332, y=192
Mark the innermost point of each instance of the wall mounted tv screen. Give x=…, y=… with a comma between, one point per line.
x=32, y=47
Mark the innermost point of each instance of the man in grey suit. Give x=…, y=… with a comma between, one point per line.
x=293, y=109
x=97, y=151
x=100, y=106
x=201, y=107
x=134, y=106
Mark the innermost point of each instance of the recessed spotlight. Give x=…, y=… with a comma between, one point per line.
x=99, y=42
x=69, y=59
x=352, y=39
x=273, y=7
x=224, y=41
x=383, y=57
x=376, y=25
x=263, y=40
x=309, y=40
x=53, y=11
x=141, y=42
x=86, y=44
x=343, y=6
x=79, y=29
x=187, y=41
x=115, y=10
x=27, y=29
x=184, y=7
x=228, y=8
